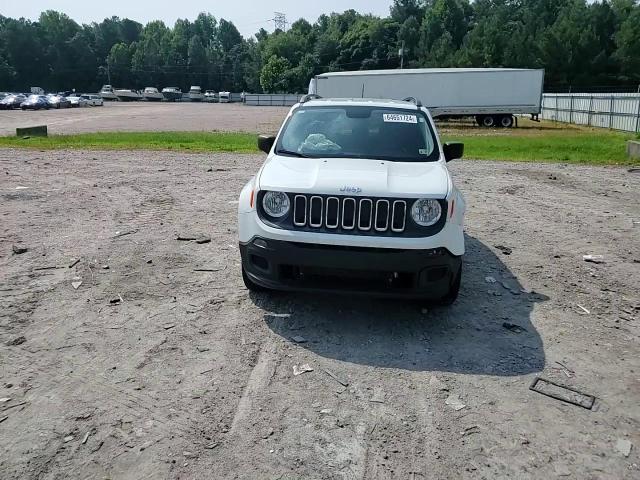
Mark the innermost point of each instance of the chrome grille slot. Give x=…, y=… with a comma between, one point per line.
x=332, y=217
x=365, y=214
x=315, y=212
x=382, y=215
x=398, y=215
x=349, y=213
x=300, y=210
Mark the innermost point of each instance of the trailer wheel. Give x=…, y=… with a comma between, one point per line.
x=488, y=121
x=506, y=121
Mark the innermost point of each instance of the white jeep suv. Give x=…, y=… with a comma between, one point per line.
x=354, y=196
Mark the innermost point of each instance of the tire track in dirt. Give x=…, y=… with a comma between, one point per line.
x=258, y=381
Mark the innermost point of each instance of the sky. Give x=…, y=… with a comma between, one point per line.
x=248, y=15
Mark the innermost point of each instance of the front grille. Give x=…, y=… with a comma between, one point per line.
x=349, y=213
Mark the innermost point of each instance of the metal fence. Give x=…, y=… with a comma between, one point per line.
x=619, y=111
x=272, y=100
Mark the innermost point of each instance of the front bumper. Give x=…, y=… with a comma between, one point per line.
x=401, y=273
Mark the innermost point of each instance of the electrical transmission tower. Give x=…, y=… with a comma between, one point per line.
x=280, y=21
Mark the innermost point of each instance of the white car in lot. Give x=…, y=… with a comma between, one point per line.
x=354, y=196
x=93, y=100
x=77, y=101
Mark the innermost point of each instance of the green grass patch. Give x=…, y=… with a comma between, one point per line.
x=176, y=141
x=537, y=142
x=594, y=147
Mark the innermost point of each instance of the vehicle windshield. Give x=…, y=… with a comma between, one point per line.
x=379, y=133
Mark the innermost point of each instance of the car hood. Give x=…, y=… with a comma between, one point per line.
x=362, y=177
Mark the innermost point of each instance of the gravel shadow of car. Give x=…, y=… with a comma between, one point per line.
x=468, y=337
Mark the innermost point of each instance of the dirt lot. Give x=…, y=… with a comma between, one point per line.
x=151, y=369
x=146, y=117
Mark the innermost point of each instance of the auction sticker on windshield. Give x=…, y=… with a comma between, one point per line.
x=399, y=118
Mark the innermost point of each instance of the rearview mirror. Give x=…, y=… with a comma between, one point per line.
x=453, y=150
x=265, y=142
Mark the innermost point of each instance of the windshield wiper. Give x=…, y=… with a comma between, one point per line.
x=291, y=153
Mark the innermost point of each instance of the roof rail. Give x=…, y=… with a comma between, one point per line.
x=413, y=100
x=310, y=96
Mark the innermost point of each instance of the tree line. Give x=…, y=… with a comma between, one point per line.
x=579, y=44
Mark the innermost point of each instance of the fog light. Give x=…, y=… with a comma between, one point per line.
x=259, y=242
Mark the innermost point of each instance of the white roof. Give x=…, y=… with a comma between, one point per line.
x=410, y=71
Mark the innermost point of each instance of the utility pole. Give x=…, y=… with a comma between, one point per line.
x=280, y=21
x=401, y=53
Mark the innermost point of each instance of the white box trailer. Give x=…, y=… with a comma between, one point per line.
x=492, y=95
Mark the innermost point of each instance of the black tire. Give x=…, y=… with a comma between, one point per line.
x=506, y=121
x=452, y=296
x=488, y=121
x=250, y=284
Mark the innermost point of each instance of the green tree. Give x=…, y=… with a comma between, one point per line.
x=568, y=46
x=228, y=35
x=402, y=10
x=409, y=33
x=197, y=54
x=273, y=77
x=628, y=43
x=24, y=52
x=119, y=61
x=578, y=42
x=443, y=29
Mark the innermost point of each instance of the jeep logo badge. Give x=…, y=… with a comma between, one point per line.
x=349, y=189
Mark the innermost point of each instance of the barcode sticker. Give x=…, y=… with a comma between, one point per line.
x=399, y=118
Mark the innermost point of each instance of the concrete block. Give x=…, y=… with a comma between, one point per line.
x=37, y=131
x=633, y=149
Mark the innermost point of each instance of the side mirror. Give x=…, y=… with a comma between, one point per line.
x=265, y=142
x=453, y=150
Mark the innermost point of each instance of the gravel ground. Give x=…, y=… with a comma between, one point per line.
x=146, y=117
x=151, y=369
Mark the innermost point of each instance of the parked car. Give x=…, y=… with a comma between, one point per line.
x=12, y=101
x=58, y=101
x=211, y=96
x=78, y=101
x=35, y=102
x=355, y=197
x=93, y=100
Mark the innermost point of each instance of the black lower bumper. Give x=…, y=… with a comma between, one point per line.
x=280, y=265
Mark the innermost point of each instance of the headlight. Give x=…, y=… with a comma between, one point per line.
x=426, y=212
x=276, y=204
